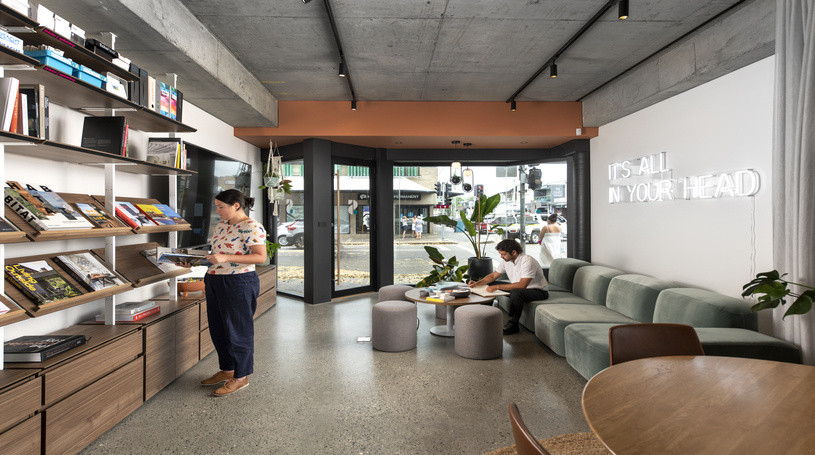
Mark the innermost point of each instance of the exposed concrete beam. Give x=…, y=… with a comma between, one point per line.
x=742, y=36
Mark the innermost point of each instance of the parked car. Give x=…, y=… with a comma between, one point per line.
x=291, y=233
x=533, y=231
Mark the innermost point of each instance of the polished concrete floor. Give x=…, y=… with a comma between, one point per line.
x=317, y=390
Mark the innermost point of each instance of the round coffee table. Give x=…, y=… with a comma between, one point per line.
x=447, y=330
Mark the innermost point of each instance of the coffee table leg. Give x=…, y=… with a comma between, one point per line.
x=446, y=330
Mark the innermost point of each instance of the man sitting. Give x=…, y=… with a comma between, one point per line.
x=526, y=277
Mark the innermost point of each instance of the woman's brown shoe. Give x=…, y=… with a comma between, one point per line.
x=231, y=386
x=219, y=377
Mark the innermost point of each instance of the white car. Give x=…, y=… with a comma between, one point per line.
x=291, y=233
x=533, y=224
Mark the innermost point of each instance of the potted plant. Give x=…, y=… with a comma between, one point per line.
x=771, y=290
x=276, y=185
x=443, y=270
x=479, y=265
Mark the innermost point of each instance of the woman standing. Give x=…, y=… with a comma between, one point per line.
x=232, y=287
x=406, y=224
x=550, y=241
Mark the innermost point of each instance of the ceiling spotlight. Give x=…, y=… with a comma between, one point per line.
x=512, y=106
x=342, y=72
x=455, y=179
x=455, y=165
x=353, y=105
x=622, y=9
x=468, y=172
x=553, y=70
x=306, y=1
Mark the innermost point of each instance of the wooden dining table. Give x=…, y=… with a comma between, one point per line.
x=703, y=405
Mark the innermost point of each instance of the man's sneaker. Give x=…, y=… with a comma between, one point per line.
x=231, y=386
x=217, y=378
x=510, y=328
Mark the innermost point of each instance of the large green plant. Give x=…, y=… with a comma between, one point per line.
x=472, y=225
x=443, y=270
x=771, y=290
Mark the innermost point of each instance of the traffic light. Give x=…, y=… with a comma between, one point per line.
x=448, y=188
x=438, y=188
x=479, y=190
x=534, y=179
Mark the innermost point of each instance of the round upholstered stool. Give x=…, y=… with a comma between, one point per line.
x=479, y=332
x=393, y=326
x=394, y=292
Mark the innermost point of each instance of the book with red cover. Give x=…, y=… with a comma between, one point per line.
x=132, y=317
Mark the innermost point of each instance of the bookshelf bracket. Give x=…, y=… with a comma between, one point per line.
x=20, y=29
x=110, y=242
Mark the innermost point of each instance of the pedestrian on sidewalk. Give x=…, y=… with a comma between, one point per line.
x=406, y=224
x=417, y=226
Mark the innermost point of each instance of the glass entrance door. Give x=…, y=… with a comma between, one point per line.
x=353, y=257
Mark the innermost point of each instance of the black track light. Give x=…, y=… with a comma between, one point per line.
x=306, y=1
x=622, y=9
x=353, y=105
x=512, y=106
x=553, y=70
x=342, y=72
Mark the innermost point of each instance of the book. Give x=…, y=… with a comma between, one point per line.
x=15, y=114
x=40, y=282
x=106, y=134
x=43, y=209
x=163, y=266
x=163, y=98
x=131, y=308
x=5, y=226
x=442, y=299
x=96, y=216
x=36, y=109
x=183, y=258
x=89, y=271
x=20, y=206
x=47, y=122
x=9, y=88
x=163, y=151
x=154, y=214
x=132, y=216
x=482, y=291
x=170, y=213
x=173, y=102
x=23, y=115
x=4, y=308
x=39, y=348
x=131, y=317
x=52, y=201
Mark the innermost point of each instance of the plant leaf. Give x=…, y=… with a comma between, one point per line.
x=434, y=254
x=771, y=275
x=442, y=219
x=765, y=305
x=802, y=304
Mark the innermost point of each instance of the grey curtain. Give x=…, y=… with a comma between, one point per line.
x=794, y=162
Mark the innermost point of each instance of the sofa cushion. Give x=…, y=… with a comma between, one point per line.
x=561, y=272
x=551, y=321
x=591, y=282
x=587, y=347
x=556, y=288
x=700, y=308
x=746, y=343
x=634, y=296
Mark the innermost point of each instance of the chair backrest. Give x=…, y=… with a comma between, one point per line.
x=638, y=341
x=525, y=443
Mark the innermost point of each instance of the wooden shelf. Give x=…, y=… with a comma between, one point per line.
x=11, y=18
x=12, y=57
x=185, y=226
x=168, y=308
x=153, y=122
x=15, y=314
x=75, y=52
x=136, y=268
x=96, y=335
x=85, y=296
x=60, y=234
x=13, y=237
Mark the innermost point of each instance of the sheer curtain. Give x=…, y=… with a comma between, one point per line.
x=794, y=162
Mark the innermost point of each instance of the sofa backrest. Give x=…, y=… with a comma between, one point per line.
x=561, y=272
x=591, y=282
x=700, y=308
x=635, y=295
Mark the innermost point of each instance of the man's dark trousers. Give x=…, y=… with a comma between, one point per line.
x=519, y=297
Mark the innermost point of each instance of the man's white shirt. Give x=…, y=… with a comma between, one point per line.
x=524, y=266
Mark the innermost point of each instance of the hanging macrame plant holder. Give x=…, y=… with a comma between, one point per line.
x=273, y=176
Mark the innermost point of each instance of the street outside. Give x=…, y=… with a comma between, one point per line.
x=411, y=262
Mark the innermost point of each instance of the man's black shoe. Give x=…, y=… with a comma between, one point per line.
x=510, y=328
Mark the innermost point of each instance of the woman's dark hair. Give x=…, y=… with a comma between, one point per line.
x=234, y=196
x=509, y=245
x=552, y=218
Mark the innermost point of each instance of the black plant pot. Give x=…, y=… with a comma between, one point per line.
x=479, y=267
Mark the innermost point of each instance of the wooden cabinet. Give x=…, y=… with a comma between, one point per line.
x=78, y=420
x=205, y=343
x=19, y=402
x=23, y=439
x=268, y=290
x=171, y=348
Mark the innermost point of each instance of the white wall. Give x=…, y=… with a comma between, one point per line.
x=717, y=244
x=66, y=126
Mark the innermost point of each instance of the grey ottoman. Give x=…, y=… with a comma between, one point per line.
x=393, y=292
x=479, y=332
x=393, y=326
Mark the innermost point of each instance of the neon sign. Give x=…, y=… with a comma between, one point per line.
x=648, y=179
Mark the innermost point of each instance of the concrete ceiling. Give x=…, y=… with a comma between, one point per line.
x=443, y=50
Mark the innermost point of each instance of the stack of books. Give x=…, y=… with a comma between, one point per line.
x=39, y=348
x=132, y=311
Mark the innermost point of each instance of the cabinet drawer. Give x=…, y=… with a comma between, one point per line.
x=265, y=301
x=83, y=370
x=24, y=439
x=159, y=336
x=202, y=315
x=159, y=356
x=186, y=347
x=268, y=281
x=78, y=420
x=205, y=343
x=18, y=403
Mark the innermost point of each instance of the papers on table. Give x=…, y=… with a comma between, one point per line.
x=482, y=291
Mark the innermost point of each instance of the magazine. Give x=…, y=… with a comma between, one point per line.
x=89, y=271
x=40, y=282
x=163, y=266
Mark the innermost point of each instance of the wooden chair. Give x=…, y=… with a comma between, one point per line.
x=637, y=341
x=525, y=443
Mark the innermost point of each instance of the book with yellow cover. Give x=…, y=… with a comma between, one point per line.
x=154, y=214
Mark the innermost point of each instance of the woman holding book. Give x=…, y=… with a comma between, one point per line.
x=232, y=287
